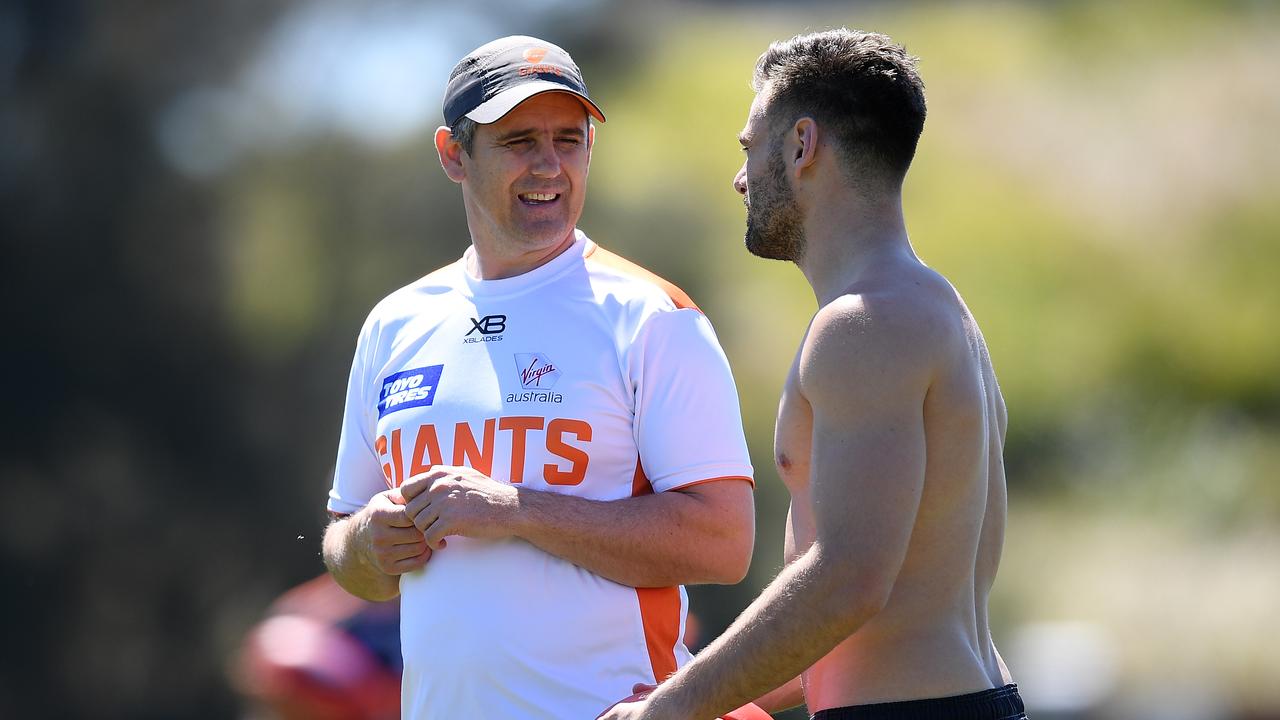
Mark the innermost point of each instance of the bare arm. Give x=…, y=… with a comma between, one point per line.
x=367, y=552
x=703, y=533
x=783, y=697
x=700, y=534
x=865, y=375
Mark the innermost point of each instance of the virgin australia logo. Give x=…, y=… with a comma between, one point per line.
x=536, y=371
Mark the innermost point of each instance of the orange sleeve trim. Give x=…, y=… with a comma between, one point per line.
x=640, y=484
x=604, y=257
x=660, y=614
x=428, y=277
x=749, y=481
x=659, y=607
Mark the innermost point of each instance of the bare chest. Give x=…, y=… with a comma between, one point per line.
x=792, y=445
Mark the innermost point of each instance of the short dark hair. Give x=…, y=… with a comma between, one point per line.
x=464, y=132
x=860, y=85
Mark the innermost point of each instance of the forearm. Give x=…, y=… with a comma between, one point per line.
x=783, y=697
x=660, y=540
x=803, y=614
x=345, y=554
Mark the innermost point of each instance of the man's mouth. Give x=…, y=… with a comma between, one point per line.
x=538, y=198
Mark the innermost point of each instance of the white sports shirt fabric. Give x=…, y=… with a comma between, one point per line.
x=586, y=376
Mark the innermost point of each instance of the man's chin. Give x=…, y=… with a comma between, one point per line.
x=766, y=250
x=545, y=235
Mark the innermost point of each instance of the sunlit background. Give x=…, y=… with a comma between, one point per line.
x=202, y=200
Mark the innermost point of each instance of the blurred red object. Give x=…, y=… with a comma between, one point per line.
x=322, y=654
x=750, y=711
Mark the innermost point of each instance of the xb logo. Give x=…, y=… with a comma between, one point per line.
x=489, y=324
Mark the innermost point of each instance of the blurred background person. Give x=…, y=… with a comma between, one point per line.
x=322, y=654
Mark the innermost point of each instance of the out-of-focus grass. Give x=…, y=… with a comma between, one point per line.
x=1176, y=605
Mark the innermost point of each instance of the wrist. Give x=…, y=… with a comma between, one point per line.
x=666, y=703
x=519, y=511
x=360, y=539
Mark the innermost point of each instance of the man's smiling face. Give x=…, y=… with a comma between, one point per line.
x=525, y=181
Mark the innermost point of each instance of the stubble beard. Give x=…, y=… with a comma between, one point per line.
x=775, y=226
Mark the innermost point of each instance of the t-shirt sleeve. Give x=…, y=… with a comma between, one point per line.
x=357, y=474
x=688, y=421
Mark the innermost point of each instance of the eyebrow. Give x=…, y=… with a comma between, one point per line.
x=526, y=132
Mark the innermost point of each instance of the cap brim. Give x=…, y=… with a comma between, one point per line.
x=506, y=101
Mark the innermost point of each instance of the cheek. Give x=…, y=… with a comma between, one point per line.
x=578, y=164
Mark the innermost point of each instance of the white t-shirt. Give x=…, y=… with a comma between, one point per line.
x=586, y=376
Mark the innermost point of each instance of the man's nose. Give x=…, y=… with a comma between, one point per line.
x=740, y=180
x=546, y=161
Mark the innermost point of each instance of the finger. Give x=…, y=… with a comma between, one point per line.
x=388, y=547
x=399, y=520
x=398, y=544
x=415, y=485
x=426, y=517
x=408, y=548
x=436, y=533
x=645, y=688
x=409, y=564
x=386, y=536
x=419, y=503
x=383, y=510
x=400, y=553
x=392, y=517
x=408, y=536
x=453, y=473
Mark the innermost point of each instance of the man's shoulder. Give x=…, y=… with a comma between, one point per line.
x=914, y=307
x=398, y=308
x=889, y=331
x=634, y=280
x=409, y=299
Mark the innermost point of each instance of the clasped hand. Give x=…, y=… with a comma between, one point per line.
x=632, y=707
x=450, y=500
x=403, y=525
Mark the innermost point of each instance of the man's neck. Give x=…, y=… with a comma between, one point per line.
x=848, y=235
x=489, y=263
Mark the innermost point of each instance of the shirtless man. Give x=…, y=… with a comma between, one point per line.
x=890, y=429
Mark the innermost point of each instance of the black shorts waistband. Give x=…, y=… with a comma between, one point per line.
x=1002, y=703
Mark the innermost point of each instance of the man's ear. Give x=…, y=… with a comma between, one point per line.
x=803, y=144
x=450, y=152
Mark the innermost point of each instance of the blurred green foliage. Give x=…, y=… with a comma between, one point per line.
x=1099, y=180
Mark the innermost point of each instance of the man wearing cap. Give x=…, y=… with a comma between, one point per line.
x=564, y=418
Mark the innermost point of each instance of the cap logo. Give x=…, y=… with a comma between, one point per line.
x=535, y=55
